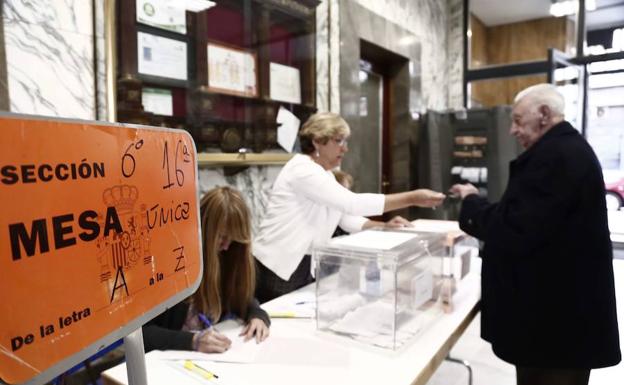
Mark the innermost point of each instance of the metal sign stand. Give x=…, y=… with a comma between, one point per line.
x=135, y=358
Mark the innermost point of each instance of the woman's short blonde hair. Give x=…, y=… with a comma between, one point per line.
x=321, y=127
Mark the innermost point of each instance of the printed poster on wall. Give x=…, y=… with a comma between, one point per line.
x=99, y=233
x=161, y=56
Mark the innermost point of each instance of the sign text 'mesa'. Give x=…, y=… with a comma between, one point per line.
x=62, y=230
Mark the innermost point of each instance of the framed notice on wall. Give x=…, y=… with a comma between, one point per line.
x=232, y=71
x=158, y=101
x=163, y=14
x=161, y=56
x=285, y=83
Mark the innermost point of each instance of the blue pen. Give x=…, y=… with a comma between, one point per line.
x=205, y=320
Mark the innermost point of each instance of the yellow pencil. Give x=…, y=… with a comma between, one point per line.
x=193, y=367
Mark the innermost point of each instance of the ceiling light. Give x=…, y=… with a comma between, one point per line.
x=570, y=7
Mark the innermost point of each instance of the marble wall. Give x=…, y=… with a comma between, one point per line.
x=437, y=26
x=403, y=48
x=49, y=51
x=255, y=184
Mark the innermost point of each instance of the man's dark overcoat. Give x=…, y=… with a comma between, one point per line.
x=548, y=297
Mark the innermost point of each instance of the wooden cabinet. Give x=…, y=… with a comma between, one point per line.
x=227, y=96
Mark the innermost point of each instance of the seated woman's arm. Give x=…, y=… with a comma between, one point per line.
x=161, y=338
x=165, y=331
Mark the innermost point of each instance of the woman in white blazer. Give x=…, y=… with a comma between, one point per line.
x=307, y=203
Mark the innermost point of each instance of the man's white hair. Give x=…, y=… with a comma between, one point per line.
x=543, y=94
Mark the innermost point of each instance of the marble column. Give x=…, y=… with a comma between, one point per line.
x=100, y=61
x=49, y=53
x=4, y=90
x=322, y=56
x=328, y=56
x=455, y=71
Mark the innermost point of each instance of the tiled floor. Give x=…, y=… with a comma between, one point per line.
x=490, y=370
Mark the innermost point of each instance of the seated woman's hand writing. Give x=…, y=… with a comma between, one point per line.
x=211, y=341
x=258, y=327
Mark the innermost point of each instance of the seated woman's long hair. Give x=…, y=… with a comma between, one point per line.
x=229, y=275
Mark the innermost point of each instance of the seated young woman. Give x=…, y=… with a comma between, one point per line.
x=227, y=287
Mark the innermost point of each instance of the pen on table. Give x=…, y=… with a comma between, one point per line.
x=207, y=374
x=205, y=320
x=304, y=302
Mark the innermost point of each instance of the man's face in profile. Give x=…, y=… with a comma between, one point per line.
x=526, y=124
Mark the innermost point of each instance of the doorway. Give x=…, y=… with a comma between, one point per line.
x=371, y=127
x=381, y=97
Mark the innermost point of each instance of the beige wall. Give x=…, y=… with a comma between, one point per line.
x=513, y=43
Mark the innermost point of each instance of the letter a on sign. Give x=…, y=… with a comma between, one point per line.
x=77, y=255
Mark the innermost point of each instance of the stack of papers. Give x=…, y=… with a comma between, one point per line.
x=373, y=239
x=373, y=324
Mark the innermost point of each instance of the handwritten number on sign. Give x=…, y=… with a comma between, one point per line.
x=185, y=159
x=128, y=163
x=166, y=166
x=179, y=173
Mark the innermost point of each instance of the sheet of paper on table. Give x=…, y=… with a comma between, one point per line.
x=293, y=305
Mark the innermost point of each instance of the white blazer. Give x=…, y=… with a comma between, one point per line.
x=305, y=206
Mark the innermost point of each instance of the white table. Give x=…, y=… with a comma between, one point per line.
x=301, y=355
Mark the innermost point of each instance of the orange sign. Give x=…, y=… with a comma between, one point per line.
x=99, y=232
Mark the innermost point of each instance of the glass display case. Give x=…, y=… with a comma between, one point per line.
x=222, y=72
x=378, y=286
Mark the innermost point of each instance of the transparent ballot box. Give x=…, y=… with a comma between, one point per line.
x=377, y=286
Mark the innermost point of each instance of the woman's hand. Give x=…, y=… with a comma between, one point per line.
x=211, y=341
x=397, y=222
x=427, y=198
x=258, y=327
x=463, y=190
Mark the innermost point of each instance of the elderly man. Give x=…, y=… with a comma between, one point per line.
x=548, y=298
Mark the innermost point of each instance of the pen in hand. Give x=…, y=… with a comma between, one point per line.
x=205, y=320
